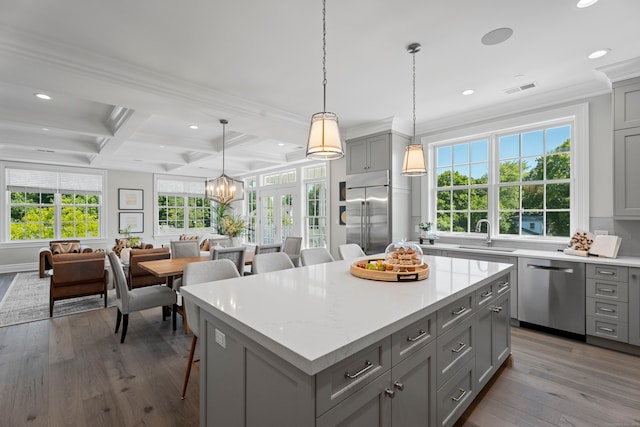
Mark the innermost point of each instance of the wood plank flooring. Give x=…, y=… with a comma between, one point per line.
x=73, y=371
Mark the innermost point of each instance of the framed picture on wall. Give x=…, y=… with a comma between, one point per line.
x=342, y=186
x=343, y=216
x=130, y=199
x=133, y=221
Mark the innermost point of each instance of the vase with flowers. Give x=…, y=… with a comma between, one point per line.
x=234, y=227
x=425, y=232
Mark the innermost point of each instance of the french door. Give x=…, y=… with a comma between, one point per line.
x=277, y=214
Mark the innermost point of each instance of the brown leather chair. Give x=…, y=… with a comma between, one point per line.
x=139, y=277
x=77, y=275
x=46, y=254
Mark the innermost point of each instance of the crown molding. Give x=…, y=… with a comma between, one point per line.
x=621, y=70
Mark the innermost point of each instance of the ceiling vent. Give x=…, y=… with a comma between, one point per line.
x=45, y=151
x=520, y=88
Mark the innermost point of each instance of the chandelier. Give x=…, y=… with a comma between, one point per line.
x=414, y=162
x=324, y=134
x=224, y=189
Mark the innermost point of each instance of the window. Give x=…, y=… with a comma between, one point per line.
x=524, y=179
x=252, y=209
x=182, y=207
x=316, y=218
x=53, y=203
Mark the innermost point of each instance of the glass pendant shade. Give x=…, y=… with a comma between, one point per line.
x=414, y=162
x=224, y=189
x=324, y=137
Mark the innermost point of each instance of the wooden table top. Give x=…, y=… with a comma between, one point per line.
x=175, y=266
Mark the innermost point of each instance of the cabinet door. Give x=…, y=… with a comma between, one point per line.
x=414, y=385
x=634, y=306
x=357, y=161
x=485, y=353
x=501, y=322
x=370, y=407
x=379, y=153
x=626, y=154
x=626, y=106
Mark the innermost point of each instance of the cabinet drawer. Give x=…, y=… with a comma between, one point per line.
x=410, y=339
x=456, y=395
x=485, y=295
x=607, y=309
x=455, y=348
x=608, y=289
x=455, y=313
x=608, y=272
x=343, y=379
x=502, y=285
x=618, y=331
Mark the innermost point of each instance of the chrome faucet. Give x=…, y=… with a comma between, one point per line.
x=479, y=228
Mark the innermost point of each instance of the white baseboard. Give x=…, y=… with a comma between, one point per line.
x=14, y=268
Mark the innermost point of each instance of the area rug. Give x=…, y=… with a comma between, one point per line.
x=27, y=300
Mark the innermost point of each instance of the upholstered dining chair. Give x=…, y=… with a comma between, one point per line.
x=201, y=272
x=185, y=248
x=236, y=255
x=265, y=249
x=311, y=256
x=274, y=261
x=350, y=251
x=291, y=247
x=128, y=301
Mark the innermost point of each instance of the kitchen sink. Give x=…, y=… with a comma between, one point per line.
x=485, y=248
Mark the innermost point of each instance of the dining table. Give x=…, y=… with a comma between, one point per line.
x=174, y=267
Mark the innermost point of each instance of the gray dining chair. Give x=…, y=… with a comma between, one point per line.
x=350, y=251
x=236, y=255
x=291, y=247
x=265, y=249
x=185, y=248
x=202, y=272
x=128, y=301
x=312, y=256
x=274, y=261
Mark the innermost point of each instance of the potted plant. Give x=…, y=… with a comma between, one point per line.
x=219, y=212
x=425, y=232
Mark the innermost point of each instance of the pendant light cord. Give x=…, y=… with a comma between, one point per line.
x=414, y=97
x=324, y=55
x=224, y=125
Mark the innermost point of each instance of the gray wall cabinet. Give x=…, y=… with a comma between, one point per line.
x=369, y=154
x=399, y=381
x=626, y=149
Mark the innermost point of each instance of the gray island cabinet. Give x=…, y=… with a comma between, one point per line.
x=316, y=346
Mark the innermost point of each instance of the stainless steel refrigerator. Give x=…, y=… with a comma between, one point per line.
x=368, y=214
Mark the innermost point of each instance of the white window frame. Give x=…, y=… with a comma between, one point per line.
x=5, y=232
x=577, y=115
x=156, y=208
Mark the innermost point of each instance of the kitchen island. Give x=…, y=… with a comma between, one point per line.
x=316, y=346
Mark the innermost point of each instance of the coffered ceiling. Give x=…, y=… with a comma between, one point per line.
x=127, y=79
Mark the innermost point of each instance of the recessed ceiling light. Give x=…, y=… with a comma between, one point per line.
x=45, y=128
x=599, y=53
x=42, y=96
x=468, y=92
x=280, y=144
x=194, y=127
x=496, y=36
x=586, y=3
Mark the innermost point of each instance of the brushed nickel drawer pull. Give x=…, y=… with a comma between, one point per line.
x=390, y=393
x=497, y=309
x=504, y=284
x=367, y=366
x=606, y=272
x=421, y=334
x=606, y=310
x=606, y=291
x=486, y=294
x=461, y=346
x=461, y=310
x=458, y=398
x=602, y=328
x=398, y=385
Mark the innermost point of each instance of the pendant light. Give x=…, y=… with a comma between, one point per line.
x=414, y=160
x=324, y=134
x=224, y=189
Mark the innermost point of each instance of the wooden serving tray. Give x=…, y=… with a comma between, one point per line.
x=421, y=272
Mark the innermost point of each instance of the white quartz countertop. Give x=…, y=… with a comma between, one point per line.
x=315, y=316
x=531, y=253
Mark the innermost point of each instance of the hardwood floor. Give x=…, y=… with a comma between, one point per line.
x=5, y=281
x=553, y=381
x=73, y=371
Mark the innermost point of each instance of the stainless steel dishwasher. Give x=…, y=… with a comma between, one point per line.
x=551, y=293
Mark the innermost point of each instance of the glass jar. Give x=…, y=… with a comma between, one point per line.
x=403, y=256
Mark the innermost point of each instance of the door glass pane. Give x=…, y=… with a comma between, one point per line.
x=286, y=216
x=268, y=223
